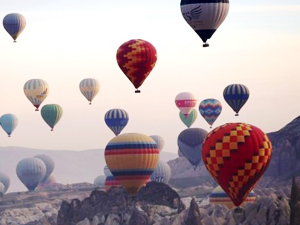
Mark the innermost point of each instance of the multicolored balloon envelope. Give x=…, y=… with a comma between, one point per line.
x=185, y=101
x=132, y=158
x=190, y=144
x=116, y=120
x=236, y=155
x=110, y=182
x=210, y=109
x=236, y=95
x=190, y=119
x=136, y=58
x=89, y=87
x=14, y=24
x=218, y=196
x=36, y=90
x=204, y=16
x=159, y=141
x=51, y=113
x=9, y=123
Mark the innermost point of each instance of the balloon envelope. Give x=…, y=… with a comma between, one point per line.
x=162, y=173
x=236, y=155
x=131, y=158
x=36, y=90
x=190, y=119
x=2, y=189
x=14, y=24
x=106, y=171
x=51, y=114
x=185, y=101
x=136, y=58
x=4, y=179
x=204, y=16
x=9, y=123
x=190, y=144
x=116, y=120
x=110, y=182
x=160, y=142
x=236, y=95
x=210, y=109
x=100, y=180
x=49, y=165
x=89, y=87
x=31, y=171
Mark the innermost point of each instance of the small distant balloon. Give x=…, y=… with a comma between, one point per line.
x=14, y=24
x=210, y=109
x=9, y=123
x=236, y=95
x=36, y=90
x=116, y=120
x=136, y=58
x=185, y=101
x=4, y=179
x=51, y=114
x=190, y=119
x=159, y=141
x=162, y=173
x=49, y=165
x=100, y=180
x=89, y=87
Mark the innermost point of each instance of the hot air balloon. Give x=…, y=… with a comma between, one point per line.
x=116, y=120
x=106, y=171
x=204, y=16
x=236, y=95
x=190, y=119
x=218, y=196
x=89, y=88
x=162, y=173
x=100, y=180
x=51, y=113
x=31, y=171
x=49, y=165
x=185, y=101
x=180, y=154
x=160, y=142
x=14, y=24
x=210, y=109
x=8, y=122
x=49, y=183
x=110, y=182
x=36, y=90
x=131, y=158
x=4, y=179
x=190, y=144
x=2, y=189
x=236, y=155
x=136, y=58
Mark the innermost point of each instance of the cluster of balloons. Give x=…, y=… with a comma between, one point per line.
x=8, y=123
x=34, y=171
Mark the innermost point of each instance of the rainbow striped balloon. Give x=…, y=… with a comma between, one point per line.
x=110, y=182
x=132, y=158
x=210, y=109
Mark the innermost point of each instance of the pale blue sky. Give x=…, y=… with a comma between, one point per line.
x=67, y=41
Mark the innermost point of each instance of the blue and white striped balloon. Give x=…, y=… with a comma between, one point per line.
x=89, y=87
x=116, y=120
x=8, y=122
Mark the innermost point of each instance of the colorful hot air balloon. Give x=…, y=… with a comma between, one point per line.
x=190, y=119
x=136, y=58
x=36, y=90
x=110, y=182
x=14, y=24
x=210, y=109
x=100, y=180
x=162, y=172
x=218, y=196
x=89, y=88
x=236, y=95
x=49, y=165
x=116, y=120
x=131, y=158
x=190, y=144
x=51, y=114
x=185, y=101
x=159, y=141
x=236, y=155
x=31, y=171
x=8, y=122
x=204, y=16
x=4, y=179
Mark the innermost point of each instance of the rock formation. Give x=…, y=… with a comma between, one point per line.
x=295, y=204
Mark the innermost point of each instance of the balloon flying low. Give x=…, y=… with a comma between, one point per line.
x=4, y=179
x=89, y=87
x=14, y=24
x=136, y=58
x=36, y=90
x=204, y=16
x=236, y=155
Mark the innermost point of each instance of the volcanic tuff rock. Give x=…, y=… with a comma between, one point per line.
x=295, y=204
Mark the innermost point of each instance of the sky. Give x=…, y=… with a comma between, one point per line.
x=66, y=41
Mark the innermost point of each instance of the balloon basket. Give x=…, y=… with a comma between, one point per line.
x=36, y=109
x=90, y=103
x=137, y=91
x=51, y=129
x=236, y=114
x=205, y=45
x=15, y=41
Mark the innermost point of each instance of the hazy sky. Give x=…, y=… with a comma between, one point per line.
x=66, y=41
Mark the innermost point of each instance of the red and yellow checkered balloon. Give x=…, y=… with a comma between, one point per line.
x=236, y=155
x=136, y=58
